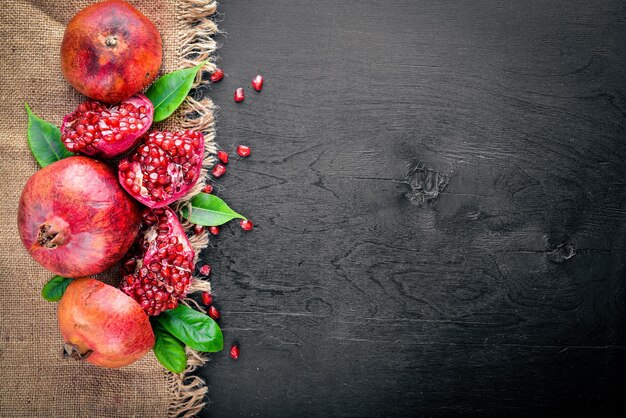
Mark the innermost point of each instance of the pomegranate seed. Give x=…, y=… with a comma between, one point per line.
x=246, y=225
x=223, y=156
x=205, y=270
x=214, y=230
x=214, y=313
x=208, y=189
x=207, y=298
x=243, y=150
x=239, y=96
x=219, y=170
x=234, y=351
x=198, y=229
x=257, y=82
x=217, y=75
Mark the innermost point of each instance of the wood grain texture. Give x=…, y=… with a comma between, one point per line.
x=439, y=193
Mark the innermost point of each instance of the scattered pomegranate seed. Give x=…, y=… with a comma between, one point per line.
x=214, y=230
x=257, y=82
x=217, y=75
x=219, y=170
x=223, y=156
x=208, y=189
x=198, y=229
x=246, y=225
x=239, y=96
x=214, y=313
x=205, y=270
x=243, y=150
x=234, y=351
x=207, y=298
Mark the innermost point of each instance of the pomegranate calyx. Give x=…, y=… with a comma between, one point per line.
x=52, y=233
x=71, y=350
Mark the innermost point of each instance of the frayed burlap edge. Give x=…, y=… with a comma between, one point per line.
x=195, y=45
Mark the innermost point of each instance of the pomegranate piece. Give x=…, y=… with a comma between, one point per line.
x=214, y=313
x=257, y=82
x=234, y=351
x=207, y=298
x=208, y=189
x=246, y=225
x=217, y=75
x=110, y=51
x=75, y=219
x=102, y=325
x=239, y=95
x=164, y=167
x=97, y=129
x=205, y=271
x=218, y=171
x=243, y=151
x=159, y=268
x=223, y=156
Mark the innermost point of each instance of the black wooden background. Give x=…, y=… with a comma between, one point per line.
x=439, y=193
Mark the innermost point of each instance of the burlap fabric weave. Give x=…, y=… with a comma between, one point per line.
x=35, y=380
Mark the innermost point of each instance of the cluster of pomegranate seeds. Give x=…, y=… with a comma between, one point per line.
x=243, y=151
x=164, y=168
x=218, y=170
x=234, y=351
x=205, y=270
x=257, y=82
x=214, y=230
x=222, y=156
x=208, y=189
x=207, y=298
x=159, y=271
x=246, y=225
x=93, y=122
x=214, y=313
x=217, y=75
x=239, y=95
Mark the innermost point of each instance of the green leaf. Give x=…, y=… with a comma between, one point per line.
x=44, y=140
x=169, y=91
x=195, y=329
x=169, y=350
x=54, y=289
x=209, y=210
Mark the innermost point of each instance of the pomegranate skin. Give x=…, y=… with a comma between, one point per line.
x=110, y=51
x=96, y=317
x=75, y=219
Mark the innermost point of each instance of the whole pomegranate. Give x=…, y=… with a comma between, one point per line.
x=110, y=51
x=74, y=218
x=97, y=129
x=163, y=168
x=159, y=268
x=103, y=325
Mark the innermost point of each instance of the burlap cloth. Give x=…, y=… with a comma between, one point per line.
x=34, y=380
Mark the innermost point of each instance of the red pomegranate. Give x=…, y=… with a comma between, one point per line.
x=110, y=51
x=74, y=218
x=102, y=325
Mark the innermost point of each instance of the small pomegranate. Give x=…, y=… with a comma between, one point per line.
x=110, y=51
x=257, y=83
x=97, y=129
x=239, y=95
x=74, y=218
x=102, y=325
x=243, y=151
x=159, y=267
x=217, y=75
x=163, y=168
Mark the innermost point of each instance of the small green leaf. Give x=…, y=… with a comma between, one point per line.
x=169, y=91
x=169, y=350
x=209, y=210
x=44, y=140
x=54, y=289
x=195, y=329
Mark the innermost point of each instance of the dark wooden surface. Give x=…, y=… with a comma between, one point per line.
x=439, y=189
